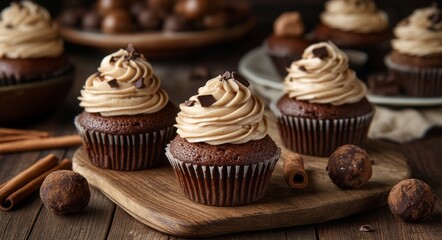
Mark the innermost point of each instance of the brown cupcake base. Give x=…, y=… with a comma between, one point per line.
x=125, y=152
x=416, y=82
x=229, y=185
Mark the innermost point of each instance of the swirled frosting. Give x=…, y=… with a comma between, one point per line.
x=125, y=84
x=27, y=31
x=420, y=34
x=322, y=76
x=236, y=116
x=289, y=24
x=359, y=16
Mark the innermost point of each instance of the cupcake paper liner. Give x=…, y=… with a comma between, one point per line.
x=321, y=137
x=417, y=82
x=125, y=152
x=231, y=185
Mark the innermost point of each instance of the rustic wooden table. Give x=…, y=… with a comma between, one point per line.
x=103, y=219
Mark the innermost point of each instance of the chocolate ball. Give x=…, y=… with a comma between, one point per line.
x=193, y=9
x=137, y=7
x=91, y=21
x=161, y=5
x=71, y=17
x=116, y=21
x=65, y=192
x=105, y=6
x=412, y=200
x=216, y=20
x=349, y=167
x=176, y=23
x=149, y=19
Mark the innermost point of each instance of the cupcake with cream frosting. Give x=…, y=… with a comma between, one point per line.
x=30, y=46
x=222, y=155
x=324, y=105
x=360, y=28
x=128, y=118
x=416, y=58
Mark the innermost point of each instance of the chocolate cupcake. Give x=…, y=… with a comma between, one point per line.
x=355, y=25
x=287, y=41
x=30, y=48
x=222, y=155
x=416, y=58
x=127, y=119
x=324, y=105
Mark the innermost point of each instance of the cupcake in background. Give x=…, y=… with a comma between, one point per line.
x=355, y=25
x=416, y=57
x=287, y=41
x=128, y=118
x=30, y=46
x=324, y=105
x=222, y=155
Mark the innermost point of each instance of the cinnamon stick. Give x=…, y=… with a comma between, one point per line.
x=13, y=138
x=31, y=186
x=294, y=172
x=40, y=144
x=11, y=131
x=27, y=175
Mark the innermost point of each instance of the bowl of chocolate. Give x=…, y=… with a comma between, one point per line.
x=159, y=28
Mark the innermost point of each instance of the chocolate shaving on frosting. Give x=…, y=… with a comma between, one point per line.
x=133, y=54
x=320, y=52
x=240, y=79
x=302, y=68
x=113, y=83
x=189, y=103
x=206, y=100
x=140, y=83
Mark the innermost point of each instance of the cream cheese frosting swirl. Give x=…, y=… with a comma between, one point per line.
x=359, y=16
x=27, y=31
x=420, y=34
x=236, y=116
x=322, y=76
x=125, y=84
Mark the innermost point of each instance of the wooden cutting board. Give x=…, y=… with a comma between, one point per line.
x=154, y=197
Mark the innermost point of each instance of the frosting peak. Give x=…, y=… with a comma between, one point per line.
x=27, y=31
x=420, y=34
x=289, y=24
x=359, y=16
x=322, y=76
x=125, y=84
x=224, y=111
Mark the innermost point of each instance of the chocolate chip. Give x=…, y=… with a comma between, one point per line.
x=8, y=26
x=366, y=228
x=113, y=83
x=199, y=73
x=206, y=100
x=112, y=59
x=302, y=68
x=133, y=54
x=226, y=76
x=189, y=103
x=130, y=47
x=372, y=162
x=321, y=52
x=435, y=18
x=240, y=79
x=140, y=83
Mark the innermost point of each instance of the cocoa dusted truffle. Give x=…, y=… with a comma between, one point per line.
x=65, y=192
x=412, y=200
x=349, y=167
x=72, y=17
x=175, y=23
x=116, y=21
x=91, y=20
x=105, y=6
x=149, y=19
x=193, y=9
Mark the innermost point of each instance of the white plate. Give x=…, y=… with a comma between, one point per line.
x=258, y=68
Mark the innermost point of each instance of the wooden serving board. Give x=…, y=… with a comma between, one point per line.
x=154, y=197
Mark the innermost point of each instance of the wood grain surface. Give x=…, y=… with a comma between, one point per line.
x=154, y=197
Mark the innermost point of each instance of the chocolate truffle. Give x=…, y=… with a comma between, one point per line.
x=65, y=192
x=71, y=17
x=215, y=20
x=91, y=20
x=116, y=21
x=412, y=200
x=136, y=7
x=349, y=167
x=105, y=6
x=175, y=23
x=192, y=9
x=149, y=19
x=161, y=5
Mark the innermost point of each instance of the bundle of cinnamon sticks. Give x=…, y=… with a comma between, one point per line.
x=17, y=140
x=29, y=181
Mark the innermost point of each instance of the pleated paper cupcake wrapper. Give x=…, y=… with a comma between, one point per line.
x=417, y=82
x=125, y=152
x=224, y=185
x=321, y=137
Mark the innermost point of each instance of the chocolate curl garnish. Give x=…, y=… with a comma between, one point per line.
x=321, y=52
x=189, y=103
x=133, y=54
x=206, y=100
x=113, y=83
x=140, y=83
x=294, y=172
x=240, y=79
